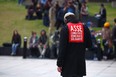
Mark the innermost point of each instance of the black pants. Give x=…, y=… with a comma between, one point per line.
x=114, y=49
x=72, y=76
x=97, y=51
x=101, y=22
x=105, y=45
x=59, y=24
x=34, y=52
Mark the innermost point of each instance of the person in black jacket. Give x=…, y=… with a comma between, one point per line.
x=74, y=39
x=102, y=18
x=16, y=42
x=43, y=43
x=114, y=37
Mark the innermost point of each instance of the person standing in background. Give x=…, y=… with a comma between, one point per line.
x=114, y=37
x=52, y=18
x=84, y=13
x=102, y=14
x=74, y=39
x=106, y=39
x=70, y=7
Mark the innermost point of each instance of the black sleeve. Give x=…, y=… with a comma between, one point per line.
x=19, y=40
x=12, y=40
x=62, y=46
x=104, y=13
x=88, y=40
x=39, y=40
x=113, y=32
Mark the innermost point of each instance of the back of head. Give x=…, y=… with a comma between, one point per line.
x=102, y=5
x=70, y=17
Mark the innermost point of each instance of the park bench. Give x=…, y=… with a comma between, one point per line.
x=6, y=49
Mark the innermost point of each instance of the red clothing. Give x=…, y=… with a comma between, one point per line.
x=76, y=32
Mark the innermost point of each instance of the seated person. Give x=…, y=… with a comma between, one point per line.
x=84, y=10
x=95, y=47
x=30, y=13
x=55, y=44
x=39, y=11
x=34, y=2
x=16, y=42
x=43, y=43
x=33, y=45
x=46, y=18
x=106, y=40
x=84, y=13
x=101, y=16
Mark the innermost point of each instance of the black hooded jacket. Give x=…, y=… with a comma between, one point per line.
x=71, y=56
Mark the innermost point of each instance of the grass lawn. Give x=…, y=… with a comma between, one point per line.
x=12, y=16
x=111, y=12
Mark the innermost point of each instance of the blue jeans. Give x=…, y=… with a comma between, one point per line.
x=73, y=76
x=20, y=1
x=14, y=48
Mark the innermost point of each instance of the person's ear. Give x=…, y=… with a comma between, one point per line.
x=65, y=20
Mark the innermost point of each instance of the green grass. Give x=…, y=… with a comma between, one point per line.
x=111, y=12
x=12, y=16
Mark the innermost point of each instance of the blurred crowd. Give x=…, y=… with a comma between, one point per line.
x=38, y=44
x=52, y=13
x=42, y=46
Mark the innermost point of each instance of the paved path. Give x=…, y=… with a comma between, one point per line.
x=18, y=67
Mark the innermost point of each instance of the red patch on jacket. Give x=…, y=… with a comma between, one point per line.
x=76, y=32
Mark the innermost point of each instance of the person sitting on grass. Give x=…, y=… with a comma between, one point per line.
x=30, y=13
